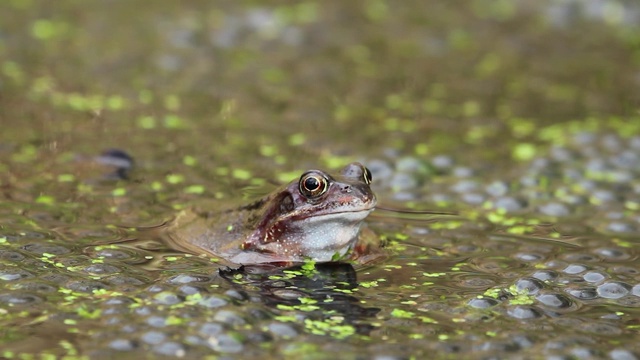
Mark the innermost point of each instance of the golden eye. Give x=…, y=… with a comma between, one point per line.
x=313, y=184
x=367, y=176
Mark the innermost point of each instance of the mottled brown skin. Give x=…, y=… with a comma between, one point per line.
x=316, y=217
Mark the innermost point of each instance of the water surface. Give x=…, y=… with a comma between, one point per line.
x=521, y=116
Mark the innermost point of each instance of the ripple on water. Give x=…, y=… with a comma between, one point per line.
x=115, y=252
x=470, y=281
x=92, y=233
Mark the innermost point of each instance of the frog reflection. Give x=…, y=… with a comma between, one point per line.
x=326, y=287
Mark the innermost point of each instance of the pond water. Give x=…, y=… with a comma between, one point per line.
x=519, y=116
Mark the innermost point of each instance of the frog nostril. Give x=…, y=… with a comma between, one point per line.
x=346, y=188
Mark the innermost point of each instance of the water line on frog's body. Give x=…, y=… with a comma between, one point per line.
x=387, y=213
x=417, y=212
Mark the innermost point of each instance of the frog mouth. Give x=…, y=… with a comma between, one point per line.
x=347, y=215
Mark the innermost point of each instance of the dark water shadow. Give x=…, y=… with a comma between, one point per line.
x=328, y=289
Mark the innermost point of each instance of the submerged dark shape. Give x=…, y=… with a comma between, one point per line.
x=118, y=160
x=329, y=285
x=317, y=217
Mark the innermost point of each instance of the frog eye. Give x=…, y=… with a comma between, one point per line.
x=367, y=176
x=313, y=184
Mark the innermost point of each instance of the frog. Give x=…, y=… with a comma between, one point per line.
x=317, y=217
